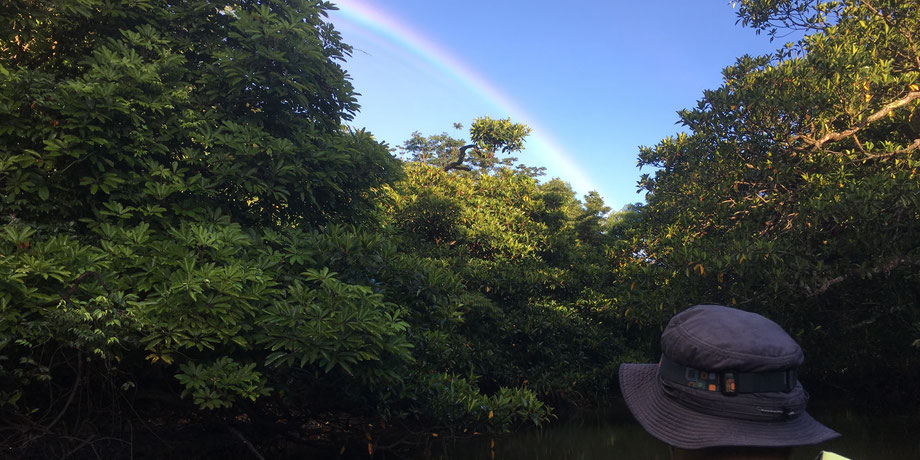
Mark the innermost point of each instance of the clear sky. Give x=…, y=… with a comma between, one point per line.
x=594, y=80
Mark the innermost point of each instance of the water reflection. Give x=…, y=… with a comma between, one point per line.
x=612, y=434
x=868, y=437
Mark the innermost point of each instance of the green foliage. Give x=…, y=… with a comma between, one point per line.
x=458, y=401
x=795, y=192
x=437, y=150
x=532, y=262
x=487, y=215
x=164, y=110
x=182, y=217
x=221, y=383
x=488, y=138
x=336, y=325
x=494, y=135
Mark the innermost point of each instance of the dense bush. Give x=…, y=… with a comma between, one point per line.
x=531, y=259
x=181, y=215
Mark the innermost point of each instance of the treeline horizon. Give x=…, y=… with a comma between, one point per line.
x=195, y=247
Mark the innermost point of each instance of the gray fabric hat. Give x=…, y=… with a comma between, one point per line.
x=726, y=378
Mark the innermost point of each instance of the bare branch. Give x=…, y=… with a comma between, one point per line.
x=73, y=393
x=245, y=441
x=859, y=144
x=885, y=17
x=910, y=148
x=462, y=157
x=836, y=136
x=913, y=47
x=883, y=267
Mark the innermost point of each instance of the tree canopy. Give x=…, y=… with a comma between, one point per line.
x=488, y=139
x=795, y=190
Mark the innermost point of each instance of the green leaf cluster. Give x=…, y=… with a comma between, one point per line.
x=532, y=261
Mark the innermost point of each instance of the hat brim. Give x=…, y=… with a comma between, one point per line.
x=684, y=428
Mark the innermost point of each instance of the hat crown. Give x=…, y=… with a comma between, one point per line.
x=717, y=338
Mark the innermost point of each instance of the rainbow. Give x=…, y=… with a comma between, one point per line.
x=558, y=161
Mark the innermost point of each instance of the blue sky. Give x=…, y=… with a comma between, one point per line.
x=595, y=80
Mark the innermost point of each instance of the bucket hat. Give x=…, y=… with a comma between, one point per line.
x=727, y=377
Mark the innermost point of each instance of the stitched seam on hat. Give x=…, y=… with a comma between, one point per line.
x=697, y=340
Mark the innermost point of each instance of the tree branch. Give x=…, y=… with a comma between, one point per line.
x=73, y=393
x=910, y=148
x=76, y=283
x=836, y=136
x=245, y=441
x=884, y=267
x=913, y=47
x=462, y=157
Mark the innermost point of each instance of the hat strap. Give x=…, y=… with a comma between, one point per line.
x=727, y=382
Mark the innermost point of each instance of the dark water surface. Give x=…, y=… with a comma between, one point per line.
x=612, y=434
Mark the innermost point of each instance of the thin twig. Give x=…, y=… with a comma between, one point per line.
x=75, y=449
x=859, y=144
x=73, y=393
x=76, y=283
x=245, y=441
x=910, y=148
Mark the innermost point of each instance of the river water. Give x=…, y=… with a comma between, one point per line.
x=612, y=434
